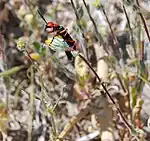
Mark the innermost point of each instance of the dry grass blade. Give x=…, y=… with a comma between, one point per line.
x=72, y=122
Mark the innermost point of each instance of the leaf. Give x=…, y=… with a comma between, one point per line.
x=39, y=48
x=84, y=78
x=29, y=19
x=133, y=96
x=83, y=23
x=81, y=92
x=75, y=27
x=88, y=7
x=122, y=63
x=82, y=71
x=35, y=56
x=97, y=3
x=112, y=75
x=80, y=12
x=126, y=80
x=133, y=62
x=144, y=69
x=54, y=59
x=110, y=59
x=11, y=71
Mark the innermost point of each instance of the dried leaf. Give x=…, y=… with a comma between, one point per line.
x=81, y=92
x=107, y=136
x=82, y=71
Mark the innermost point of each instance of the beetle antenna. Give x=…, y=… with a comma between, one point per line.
x=42, y=16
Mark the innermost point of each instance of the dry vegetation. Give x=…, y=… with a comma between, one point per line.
x=102, y=95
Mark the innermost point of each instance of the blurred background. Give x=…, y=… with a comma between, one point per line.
x=46, y=97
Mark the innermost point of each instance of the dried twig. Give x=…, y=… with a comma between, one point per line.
x=72, y=122
x=130, y=29
x=81, y=29
x=85, y=111
x=144, y=22
x=1, y=48
x=112, y=33
x=98, y=35
x=116, y=45
x=29, y=6
x=107, y=93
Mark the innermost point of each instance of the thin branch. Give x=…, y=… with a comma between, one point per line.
x=98, y=35
x=130, y=29
x=72, y=122
x=144, y=22
x=81, y=29
x=29, y=6
x=107, y=93
x=1, y=48
x=100, y=39
x=116, y=45
x=112, y=33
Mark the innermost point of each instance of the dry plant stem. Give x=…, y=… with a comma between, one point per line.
x=107, y=93
x=100, y=40
x=113, y=35
x=81, y=29
x=144, y=22
x=98, y=35
x=18, y=90
x=32, y=96
x=130, y=29
x=1, y=48
x=72, y=122
x=119, y=78
x=52, y=113
x=35, y=63
x=29, y=6
x=53, y=126
x=77, y=16
x=117, y=47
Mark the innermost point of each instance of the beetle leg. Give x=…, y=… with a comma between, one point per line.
x=52, y=39
x=75, y=46
x=64, y=31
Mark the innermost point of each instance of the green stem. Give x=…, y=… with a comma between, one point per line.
x=12, y=71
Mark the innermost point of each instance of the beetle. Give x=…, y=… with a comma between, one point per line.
x=51, y=27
